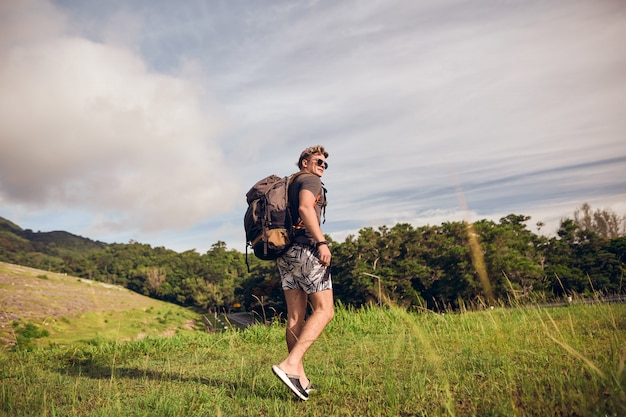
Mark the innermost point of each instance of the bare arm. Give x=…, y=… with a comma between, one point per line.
x=306, y=209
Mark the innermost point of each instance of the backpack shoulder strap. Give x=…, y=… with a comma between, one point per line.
x=293, y=177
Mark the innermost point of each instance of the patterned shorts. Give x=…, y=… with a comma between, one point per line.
x=300, y=269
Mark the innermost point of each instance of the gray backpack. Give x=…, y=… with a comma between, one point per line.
x=267, y=222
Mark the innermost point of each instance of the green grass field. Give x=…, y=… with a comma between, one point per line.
x=566, y=361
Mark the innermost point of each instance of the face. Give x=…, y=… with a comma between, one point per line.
x=316, y=164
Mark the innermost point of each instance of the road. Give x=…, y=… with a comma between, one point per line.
x=244, y=319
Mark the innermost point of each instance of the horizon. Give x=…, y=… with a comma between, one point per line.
x=539, y=231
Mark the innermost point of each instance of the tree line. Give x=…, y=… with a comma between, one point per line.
x=435, y=267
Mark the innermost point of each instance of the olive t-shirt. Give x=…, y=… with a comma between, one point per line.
x=314, y=184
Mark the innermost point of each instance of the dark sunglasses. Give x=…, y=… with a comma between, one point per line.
x=321, y=162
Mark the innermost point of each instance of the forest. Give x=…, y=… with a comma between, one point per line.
x=442, y=267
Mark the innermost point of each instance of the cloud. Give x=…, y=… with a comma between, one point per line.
x=87, y=126
x=516, y=103
x=160, y=115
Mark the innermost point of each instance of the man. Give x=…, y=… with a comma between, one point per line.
x=305, y=271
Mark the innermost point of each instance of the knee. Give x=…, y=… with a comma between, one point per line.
x=295, y=321
x=328, y=314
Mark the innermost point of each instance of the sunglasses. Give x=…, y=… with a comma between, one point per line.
x=321, y=162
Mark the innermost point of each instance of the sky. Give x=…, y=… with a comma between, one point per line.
x=149, y=120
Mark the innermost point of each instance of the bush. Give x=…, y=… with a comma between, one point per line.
x=24, y=334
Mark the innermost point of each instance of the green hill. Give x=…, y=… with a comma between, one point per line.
x=49, y=243
x=62, y=240
x=6, y=225
x=72, y=309
x=44, y=250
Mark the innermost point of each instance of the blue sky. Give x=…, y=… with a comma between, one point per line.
x=149, y=120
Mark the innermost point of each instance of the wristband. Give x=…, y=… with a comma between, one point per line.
x=323, y=242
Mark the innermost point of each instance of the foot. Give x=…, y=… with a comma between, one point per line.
x=292, y=382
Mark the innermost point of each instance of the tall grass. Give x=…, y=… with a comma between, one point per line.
x=566, y=361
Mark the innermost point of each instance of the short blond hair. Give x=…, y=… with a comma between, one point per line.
x=310, y=151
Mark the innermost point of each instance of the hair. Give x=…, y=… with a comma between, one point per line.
x=310, y=151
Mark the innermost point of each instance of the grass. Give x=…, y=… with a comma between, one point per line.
x=71, y=309
x=566, y=361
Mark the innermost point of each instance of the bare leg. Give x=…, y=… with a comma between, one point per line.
x=323, y=312
x=296, y=310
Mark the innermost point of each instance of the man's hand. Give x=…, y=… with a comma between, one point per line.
x=325, y=255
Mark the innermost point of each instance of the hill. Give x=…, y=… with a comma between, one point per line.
x=45, y=250
x=206, y=282
x=9, y=226
x=13, y=237
x=71, y=308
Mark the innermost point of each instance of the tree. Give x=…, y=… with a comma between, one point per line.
x=513, y=255
x=606, y=223
x=581, y=261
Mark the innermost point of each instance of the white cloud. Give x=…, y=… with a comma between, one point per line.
x=517, y=103
x=86, y=125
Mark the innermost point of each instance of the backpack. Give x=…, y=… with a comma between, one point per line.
x=267, y=222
